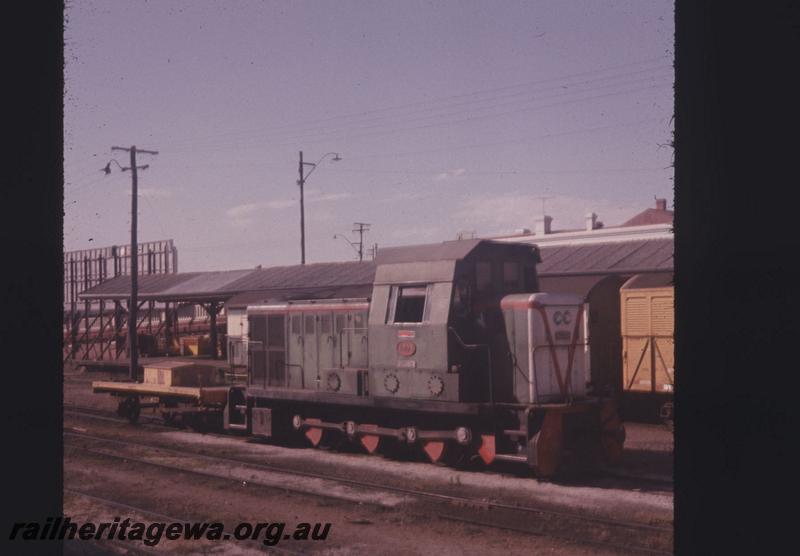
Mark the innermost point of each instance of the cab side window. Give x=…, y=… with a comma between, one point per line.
x=409, y=303
x=530, y=284
x=511, y=276
x=483, y=276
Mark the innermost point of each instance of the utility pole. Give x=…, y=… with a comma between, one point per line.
x=133, y=316
x=301, y=182
x=360, y=227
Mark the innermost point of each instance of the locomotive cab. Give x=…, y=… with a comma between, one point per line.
x=435, y=325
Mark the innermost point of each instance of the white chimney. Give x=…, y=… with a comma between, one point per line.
x=591, y=221
x=542, y=225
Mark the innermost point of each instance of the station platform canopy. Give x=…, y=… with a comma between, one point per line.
x=220, y=286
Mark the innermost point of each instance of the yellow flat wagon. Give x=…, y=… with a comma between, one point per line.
x=174, y=387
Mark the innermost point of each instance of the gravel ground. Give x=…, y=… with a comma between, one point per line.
x=355, y=528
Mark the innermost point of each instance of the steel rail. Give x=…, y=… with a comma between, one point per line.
x=344, y=480
x=483, y=523
x=99, y=414
x=164, y=517
x=460, y=500
x=94, y=413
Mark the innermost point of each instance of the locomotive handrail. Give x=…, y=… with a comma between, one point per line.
x=488, y=358
x=302, y=373
x=341, y=343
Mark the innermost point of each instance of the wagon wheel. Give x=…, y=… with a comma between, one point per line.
x=169, y=417
x=129, y=408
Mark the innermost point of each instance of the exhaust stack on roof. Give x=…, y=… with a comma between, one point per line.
x=591, y=221
x=542, y=225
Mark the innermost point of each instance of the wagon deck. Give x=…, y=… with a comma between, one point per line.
x=202, y=395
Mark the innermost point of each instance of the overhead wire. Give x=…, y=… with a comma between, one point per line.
x=394, y=154
x=446, y=99
x=467, y=120
x=474, y=114
x=490, y=104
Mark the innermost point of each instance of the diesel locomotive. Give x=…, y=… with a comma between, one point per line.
x=454, y=352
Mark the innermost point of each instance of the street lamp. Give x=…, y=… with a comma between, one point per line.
x=358, y=249
x=301, y=182
x=133, y=304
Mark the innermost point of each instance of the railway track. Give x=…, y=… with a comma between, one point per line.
x=161, y=517
x=567, y=526
x=156, y=423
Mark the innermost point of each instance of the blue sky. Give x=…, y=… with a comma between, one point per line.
x=449, y=116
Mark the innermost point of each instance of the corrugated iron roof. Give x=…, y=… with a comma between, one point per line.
x=157, y=285
x=221, y=285
x=625, y=257
x=308, y=276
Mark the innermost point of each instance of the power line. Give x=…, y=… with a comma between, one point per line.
x=467, y=120
x=393, y=154
x=450, y=97
x=404, y=119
